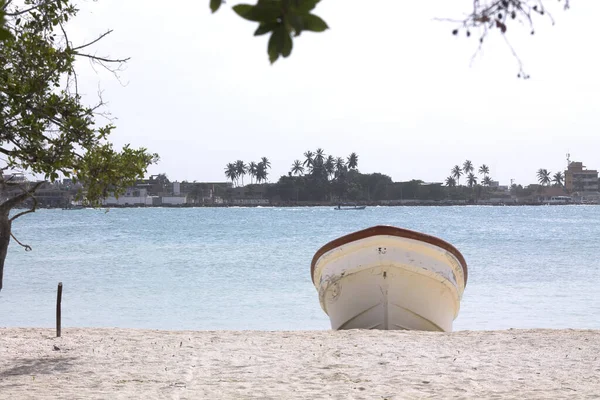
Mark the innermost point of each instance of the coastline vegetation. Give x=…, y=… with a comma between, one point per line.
x=46, y=127
x=321, y=177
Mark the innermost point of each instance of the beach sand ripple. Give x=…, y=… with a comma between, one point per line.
x=126, y=363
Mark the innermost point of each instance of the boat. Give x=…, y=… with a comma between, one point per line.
x=74, y=207
x=389, y=278
x=349, y=207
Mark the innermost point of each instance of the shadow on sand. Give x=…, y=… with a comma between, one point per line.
x=38, y=366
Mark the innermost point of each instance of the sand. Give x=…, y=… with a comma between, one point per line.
x=128, y=363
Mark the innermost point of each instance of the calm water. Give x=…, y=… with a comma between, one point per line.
x=248, y=268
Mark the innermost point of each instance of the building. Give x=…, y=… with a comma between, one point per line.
x=203, y=192
x=173, y=200
x=579, y=179
x=551, y=195
x=16, y=177
x=132, y=197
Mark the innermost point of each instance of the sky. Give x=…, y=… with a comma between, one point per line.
x=387, y=81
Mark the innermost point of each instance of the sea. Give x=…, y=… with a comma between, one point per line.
x=249, y=268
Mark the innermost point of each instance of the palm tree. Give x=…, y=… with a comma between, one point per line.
x=309, y=159
x=265, y=161
x=450, y=181
x=261, y=172
x=467, y=167
x=543, y=176
x=241, y=169
x=340, y=166
x=319, y=156
x=471, y=180
x=487, y=181
x=353, y=160
x=297, y=168
x=558, y=179
x=456, y=174
x=231, y=172
x=252, y=170
x=162, y=178
x=330, y=166
x=484, y=170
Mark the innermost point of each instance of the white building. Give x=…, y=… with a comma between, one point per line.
x=174, y=200
x=132, y=197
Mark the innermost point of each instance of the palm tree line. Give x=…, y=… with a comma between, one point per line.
x=467, y=170
x=257, y=170
x=545, y=178
x=318, y=163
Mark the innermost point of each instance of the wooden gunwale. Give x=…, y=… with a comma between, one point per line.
x=386, y=230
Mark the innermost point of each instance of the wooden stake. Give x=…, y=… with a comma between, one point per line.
x=58, y=301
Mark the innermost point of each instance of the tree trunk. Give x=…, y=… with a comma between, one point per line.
x=5, y=224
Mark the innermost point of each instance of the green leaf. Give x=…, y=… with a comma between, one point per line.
x=314, y=23
x=244, y=11
x=295, y=22
x=286, y=50
x=4, y=33
x=280, y=43
x=276, y=42
x=265, y=28
x=304, y=6
x=214, y=5
x=262, y=12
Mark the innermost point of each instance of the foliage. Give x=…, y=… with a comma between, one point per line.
x=286, y=18
x=352, y=161
x=4, y=32
x=231, y=172
x=297, y=168
x=257, y=170
x=282, y=19
x=456, y=173
x=496, y=15
x=471, y=179
x=45, y=129
x=467, y=167
x=484, y=170
x=543, y=176
x=558, y=179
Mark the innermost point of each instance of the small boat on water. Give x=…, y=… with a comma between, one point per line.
x=388, y=278
x=349, y=207
x=74, y=207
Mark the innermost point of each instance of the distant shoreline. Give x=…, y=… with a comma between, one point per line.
x=333, y=205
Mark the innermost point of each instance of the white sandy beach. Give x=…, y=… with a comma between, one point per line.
x=127, y=363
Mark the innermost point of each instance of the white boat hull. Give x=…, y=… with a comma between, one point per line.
x=390, y=278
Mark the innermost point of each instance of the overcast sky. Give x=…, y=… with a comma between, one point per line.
x=387, y=81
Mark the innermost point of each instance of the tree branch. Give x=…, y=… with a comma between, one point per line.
x=7, y=152
x=7, y=4
x=93, y=41
x=102, y=59
x=17, y=13
x=22, y=213
x=489, y=14
x=33, y=208
x=27, y=247
x=13, y=201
